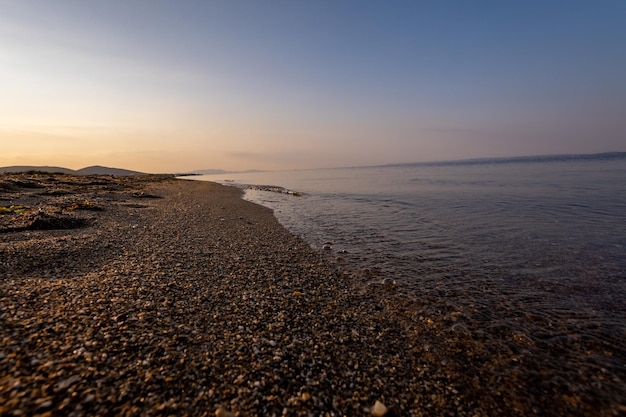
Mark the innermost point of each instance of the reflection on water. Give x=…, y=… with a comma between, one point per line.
x=527, y=258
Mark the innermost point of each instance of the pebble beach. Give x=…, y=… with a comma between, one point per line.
x=149, y=295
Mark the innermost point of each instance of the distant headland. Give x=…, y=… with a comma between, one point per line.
x=92, y=170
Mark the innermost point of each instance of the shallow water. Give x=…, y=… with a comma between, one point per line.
x=526, y=251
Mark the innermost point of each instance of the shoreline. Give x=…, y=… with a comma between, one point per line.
x=153, y=295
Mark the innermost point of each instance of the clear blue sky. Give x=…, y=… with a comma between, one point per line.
x=183, y=85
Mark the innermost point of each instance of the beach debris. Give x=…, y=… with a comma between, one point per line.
x=13, y=209
x=41, y=220
x=143, y=194
x=83, y=205
x=460, y=329
x=379, y=409
x=389, y=283
x=297, y=293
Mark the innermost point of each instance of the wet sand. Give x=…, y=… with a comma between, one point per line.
x=154, y=296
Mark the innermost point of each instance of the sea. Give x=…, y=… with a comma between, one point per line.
x=531, y=248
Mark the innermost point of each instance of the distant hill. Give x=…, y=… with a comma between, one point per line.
x=20, y=168
x=100, y=170
x=93, y=170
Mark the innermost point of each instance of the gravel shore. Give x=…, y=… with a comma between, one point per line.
x=155, y=296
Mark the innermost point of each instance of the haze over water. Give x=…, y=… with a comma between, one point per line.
x=533, y=248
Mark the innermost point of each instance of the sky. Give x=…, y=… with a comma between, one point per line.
x=182, y=85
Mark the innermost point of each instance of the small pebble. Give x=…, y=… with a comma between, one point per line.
x=379, y=409
x=222, y=412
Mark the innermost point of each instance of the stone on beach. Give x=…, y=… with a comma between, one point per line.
x=222, y=412
x=379, y=409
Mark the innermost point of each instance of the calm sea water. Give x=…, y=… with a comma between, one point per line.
x=546, y=219
x=536, y=246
